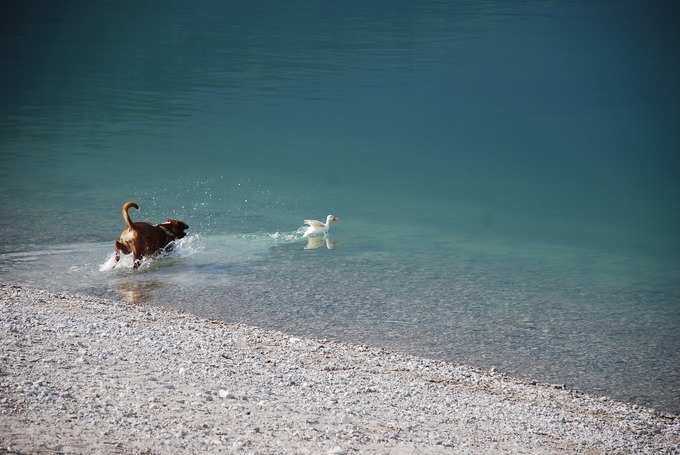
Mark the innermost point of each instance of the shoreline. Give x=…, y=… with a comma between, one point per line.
x=81, y=374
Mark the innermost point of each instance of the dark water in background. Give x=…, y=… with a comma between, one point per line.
x=506, y=173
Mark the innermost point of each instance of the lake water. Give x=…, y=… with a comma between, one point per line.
x=507, y=174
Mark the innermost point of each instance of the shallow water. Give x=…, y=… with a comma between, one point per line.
x=506, y=174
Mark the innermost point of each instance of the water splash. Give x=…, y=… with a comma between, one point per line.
x=181, y=248
x=109, y=264
x=277, y=237
x=292, y=236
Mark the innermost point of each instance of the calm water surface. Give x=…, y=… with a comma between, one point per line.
x=506, y=173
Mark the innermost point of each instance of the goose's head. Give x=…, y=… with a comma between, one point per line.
x=330, y=219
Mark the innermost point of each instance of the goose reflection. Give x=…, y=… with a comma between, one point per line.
x=317, y=242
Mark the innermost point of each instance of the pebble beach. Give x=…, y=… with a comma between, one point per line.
x=80, y=374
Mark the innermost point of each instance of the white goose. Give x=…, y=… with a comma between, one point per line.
x=317, y=228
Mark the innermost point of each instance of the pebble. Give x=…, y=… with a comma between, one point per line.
x=224, y=394
x=297, y=395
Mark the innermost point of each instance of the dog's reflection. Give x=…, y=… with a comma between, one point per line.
x=317, y=242
x=137, y=292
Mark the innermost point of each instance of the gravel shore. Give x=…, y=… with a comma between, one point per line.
x=80, y=374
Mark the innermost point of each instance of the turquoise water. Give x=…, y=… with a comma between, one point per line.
x=506, y=174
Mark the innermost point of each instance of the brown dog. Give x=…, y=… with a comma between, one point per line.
x=144, y=239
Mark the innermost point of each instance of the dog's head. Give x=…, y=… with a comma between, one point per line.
x=123, y=248
x=177, y=227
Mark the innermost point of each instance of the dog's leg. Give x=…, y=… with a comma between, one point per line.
x=117, y=248
x=137, y=260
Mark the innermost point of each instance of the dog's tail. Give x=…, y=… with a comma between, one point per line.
x=126, y=215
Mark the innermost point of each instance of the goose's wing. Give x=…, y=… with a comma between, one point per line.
x=314, y=223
